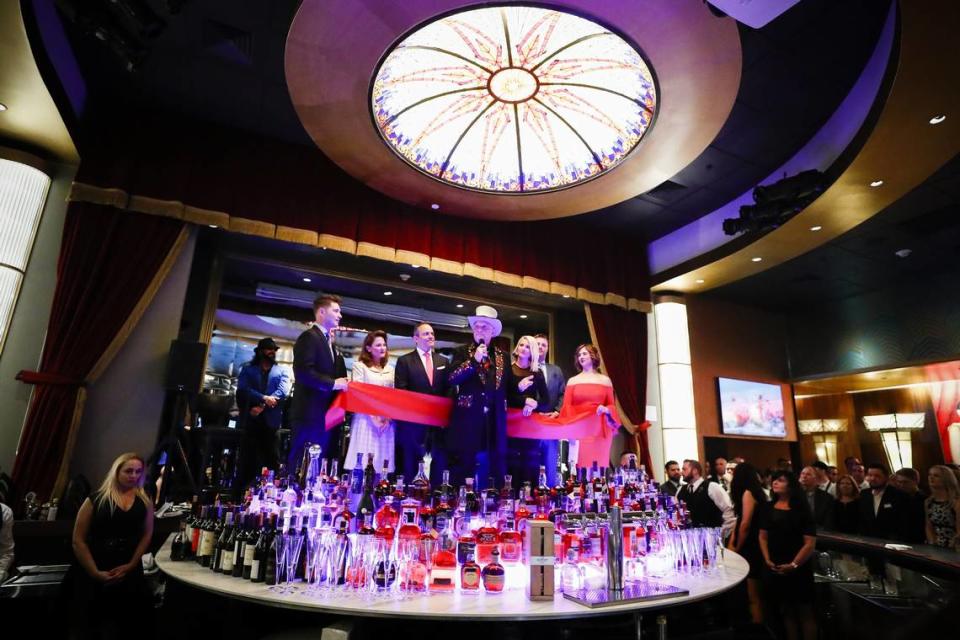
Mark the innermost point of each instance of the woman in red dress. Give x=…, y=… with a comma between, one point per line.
x=593, y=391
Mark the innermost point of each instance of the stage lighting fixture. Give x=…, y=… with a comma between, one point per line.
x=803, y=185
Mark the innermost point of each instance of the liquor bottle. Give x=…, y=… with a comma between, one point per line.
x=208, y=539
x=365, y=508
x=409, y=532
x=258, y=570
x=473, y=502
x=311, y=471
x=444, y=566
x=341, y=559
x=491, y=498
x=442, y=514
x=542, y=487
x=250, y=548
x=385, y=569
x=445, y=491
x=194, y=517
x=399, y=491
x=488, y=536
x=179, y=544
x=383, y=487
x=356, y=476
x=241, y=533
x=494, y=576
x=466, y=543
x=427, y=529
x=385, y=520
x=470, y=575
x=270, y=562
x=506, y=493
x=225, y=546
x=571, y=574
x=414, y=574
x=511, y=543
x=420, y=488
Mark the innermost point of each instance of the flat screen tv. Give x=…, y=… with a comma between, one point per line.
x=751, y=408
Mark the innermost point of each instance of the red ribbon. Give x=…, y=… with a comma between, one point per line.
x=421, y=408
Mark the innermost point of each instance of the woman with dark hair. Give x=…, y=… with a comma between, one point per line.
x=846, y=508
x=749, y=500
x=372, y=434
x=787, y=540
x=593, y=391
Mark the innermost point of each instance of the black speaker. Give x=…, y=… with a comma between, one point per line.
x=185, y=366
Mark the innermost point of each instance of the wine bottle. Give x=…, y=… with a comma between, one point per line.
x=221, y=550
x=179, y=544
x=258, y=570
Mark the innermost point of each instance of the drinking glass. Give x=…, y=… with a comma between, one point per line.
x=294, y=546
x=281, y=548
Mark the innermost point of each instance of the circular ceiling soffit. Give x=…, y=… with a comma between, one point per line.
x=515, y=112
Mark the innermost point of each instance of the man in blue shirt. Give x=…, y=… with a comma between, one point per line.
x=261, y=389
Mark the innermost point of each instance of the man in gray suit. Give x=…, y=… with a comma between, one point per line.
x=556, y=385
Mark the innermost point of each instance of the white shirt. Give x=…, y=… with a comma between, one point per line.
x=877, y=499
x=722, y=499
x=830, y=487
x=6, y=541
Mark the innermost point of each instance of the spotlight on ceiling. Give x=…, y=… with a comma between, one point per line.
x=938, y=119
x=777, y=202
x=3, y=107
x=876, y=183
x=435, y=206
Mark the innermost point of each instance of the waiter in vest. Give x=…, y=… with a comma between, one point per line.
x=709, y=505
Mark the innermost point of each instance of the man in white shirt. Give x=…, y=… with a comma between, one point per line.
x=709, y=505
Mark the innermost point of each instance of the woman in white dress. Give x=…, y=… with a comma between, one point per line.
x=372, y=434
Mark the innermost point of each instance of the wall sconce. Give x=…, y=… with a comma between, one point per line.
x=894, y=430
x=823, y=432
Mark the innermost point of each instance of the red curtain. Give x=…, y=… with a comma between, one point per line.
x=622, y=339
x=247, y=176
x=108, y=259
x=946, y=404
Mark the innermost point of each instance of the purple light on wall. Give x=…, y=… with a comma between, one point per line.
x=706, y=233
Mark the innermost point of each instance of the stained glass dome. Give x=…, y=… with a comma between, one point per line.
x=513, y=99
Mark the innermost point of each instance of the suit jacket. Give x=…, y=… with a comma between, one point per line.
x=250, y=393
x=822, y=508
x=892, y=518
x=315, y=370
x=477, y=389
x=556, y=386
x=411, y=376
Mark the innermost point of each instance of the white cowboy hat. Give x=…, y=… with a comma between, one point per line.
x=487, y=314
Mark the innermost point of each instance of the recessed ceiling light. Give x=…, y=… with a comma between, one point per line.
x=415, y=266
x=756, y=259
x=816, y=228
x=307, y=280
x=523, y=316
x=323, y=248
x=903, y=253
x=388, y=293
x=435, y=206
x=938, y=119
x=459, y=306
x=212, y=226
x=565, y=296
x=3, y=107
x=876, y=183
x=700, y=280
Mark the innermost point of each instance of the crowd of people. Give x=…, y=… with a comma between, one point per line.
x=771, y=518
x=482, y=381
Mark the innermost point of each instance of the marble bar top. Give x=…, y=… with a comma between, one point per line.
x=509, y=605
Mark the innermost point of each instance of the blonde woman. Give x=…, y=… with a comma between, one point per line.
x=943, y=508
x=111, y=533
x=523, y=454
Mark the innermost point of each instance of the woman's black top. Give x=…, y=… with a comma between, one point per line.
x=846, y=516
x=114, y=535
x=537, y=391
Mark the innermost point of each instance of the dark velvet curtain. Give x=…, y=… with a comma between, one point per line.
x=109, y=258
x=622, y=339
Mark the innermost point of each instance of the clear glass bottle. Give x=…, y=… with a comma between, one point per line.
x=572, y=575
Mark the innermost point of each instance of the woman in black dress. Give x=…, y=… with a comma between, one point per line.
x=749, y=500
x=846, y=508
x=111, y=533
x=523, y=454
x=787, y=540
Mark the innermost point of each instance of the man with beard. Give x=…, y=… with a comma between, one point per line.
x=261, y=389
x=671, y=484
x=708, y=504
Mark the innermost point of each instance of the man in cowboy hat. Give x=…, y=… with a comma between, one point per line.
x=261, y=389
x=476, y=438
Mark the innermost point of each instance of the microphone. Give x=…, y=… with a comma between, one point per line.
x=485, y=362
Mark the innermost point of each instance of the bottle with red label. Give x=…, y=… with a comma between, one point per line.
x=409, y=532
x=444, y=566
x=511, y=543
x=494, y=576
x=488, y=537
x=470, y=575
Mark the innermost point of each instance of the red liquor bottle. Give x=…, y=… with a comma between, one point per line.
x=444, y=567
x=511, y=543
x=488, y=536
x=470, y=575
x=494, y=576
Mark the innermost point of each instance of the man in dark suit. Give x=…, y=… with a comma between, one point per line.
x=476, y=439
x=262, y=386
x=883, y=509
x=422, y=370
x=319, y=372
x=821, y=502
x=556, y=384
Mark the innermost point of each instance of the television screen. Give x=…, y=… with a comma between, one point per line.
x=751, y=408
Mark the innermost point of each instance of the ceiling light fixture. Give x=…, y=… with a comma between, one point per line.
x=435, y=206
x=523, y=316
x=3, y=107
x=938, y=119
x=903, y=253
x=213, y=226
x=816, y=228
x=876, y=183
x=756, y=259
x=700, y=281
x=307, y=280
x=459, y=306
x=565, y=296
x=388, y=293
x=415, y=266
x=513, y=99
